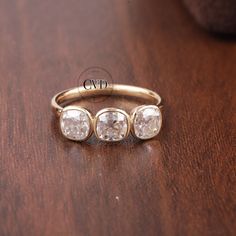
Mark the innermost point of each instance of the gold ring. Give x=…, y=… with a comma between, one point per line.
x=109, y=124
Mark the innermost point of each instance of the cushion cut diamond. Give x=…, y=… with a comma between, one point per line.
x=75, y=124
x=111, y=125
x=147, y=121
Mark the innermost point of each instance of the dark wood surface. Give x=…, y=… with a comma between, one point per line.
x=181, y=183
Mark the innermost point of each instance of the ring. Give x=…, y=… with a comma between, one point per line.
x=109, y=124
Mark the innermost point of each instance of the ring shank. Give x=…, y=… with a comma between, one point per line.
x=115, y=89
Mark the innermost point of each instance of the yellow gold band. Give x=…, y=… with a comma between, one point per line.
x=109, y=124
x=116, y=89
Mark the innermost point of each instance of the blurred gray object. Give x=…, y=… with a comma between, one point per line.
x=214, y=15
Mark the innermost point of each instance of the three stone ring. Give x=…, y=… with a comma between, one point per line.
x=109, y=124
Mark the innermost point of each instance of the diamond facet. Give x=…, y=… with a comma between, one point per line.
x=147, y=121
x=111, y=125
x=75, y=123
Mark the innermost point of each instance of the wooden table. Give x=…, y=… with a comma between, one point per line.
x=181, y=183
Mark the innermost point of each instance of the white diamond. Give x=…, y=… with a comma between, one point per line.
x=147, y=121
x=75, y=124
x=111, y=125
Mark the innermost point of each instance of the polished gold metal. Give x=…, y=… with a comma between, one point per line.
x=59, y=103
x=116, y=89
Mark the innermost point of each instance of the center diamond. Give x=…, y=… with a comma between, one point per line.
x=112, y=125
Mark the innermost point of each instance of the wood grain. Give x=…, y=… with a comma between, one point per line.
x=182, y=183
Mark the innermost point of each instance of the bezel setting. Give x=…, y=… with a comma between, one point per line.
x=148, y=128
x=111, y=110
x=84, y=112
x=152, y=133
